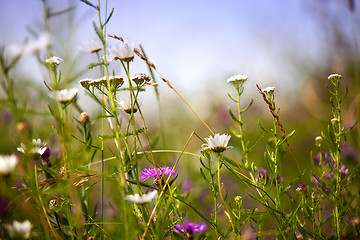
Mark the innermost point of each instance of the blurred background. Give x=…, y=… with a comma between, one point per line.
x=291, y=45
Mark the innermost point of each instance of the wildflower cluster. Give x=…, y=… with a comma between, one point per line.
x=102, y=173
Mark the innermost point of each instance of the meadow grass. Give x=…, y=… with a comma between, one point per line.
x=68, y=174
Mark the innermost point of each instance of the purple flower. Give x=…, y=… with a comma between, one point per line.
x=301, y=187
x=151, y=172
x=190, y=228
x=262, y=174
x=279, y=178
x=44, y=151
x=348, y=151
x=316, y=181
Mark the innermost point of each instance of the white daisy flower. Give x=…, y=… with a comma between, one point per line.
x=91, y=46
x=35, y=145
x=269, y=90
x=123, y=52
x=54, y=60
x=7, y=164
x=126, y=105
x=19, y=229
x=236, y=79
x=218, y=143
x=65, y=95
x=39, y=44
x=145, y=198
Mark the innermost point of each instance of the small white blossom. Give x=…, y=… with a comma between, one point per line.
x=237, y=79
x=269, y=90
x=65, y=95
x=333, y=77
x=35, y=145
x=54, y=60
x=19, y=229
x=91, y=46
x=136, y=198
x=124, y=52
x=7, y=164
x=126, y=105
x=218, y=143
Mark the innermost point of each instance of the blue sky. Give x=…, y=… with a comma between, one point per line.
x=193, y=43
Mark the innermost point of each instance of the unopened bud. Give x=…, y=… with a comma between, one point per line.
x=334, y=121
x=84, y=118
x=318, y=141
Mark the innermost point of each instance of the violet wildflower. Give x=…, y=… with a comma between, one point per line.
x=151, y=172
x=317, y=181
x=348, y=151
x=4, y=208
x=301, y=187
x=190, y=228
x=279, y=178
x=262, y=175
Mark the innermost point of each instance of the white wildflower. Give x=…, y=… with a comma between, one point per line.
x=91, y=46
x=123, y=52
x=54, y=60
x=218, y=143
x=126, y=105
x=19, y=229
x=145, y=198
x=35, y=145
x=269, y=90
x=65, y=95
x=236, y=79
x=39, y=44
x=7, y=164
x=334, y=77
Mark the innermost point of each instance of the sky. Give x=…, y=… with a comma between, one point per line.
x=193, y=43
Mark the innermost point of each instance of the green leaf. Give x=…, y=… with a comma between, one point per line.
x=90, y=4
x=248, y=106
x=233, y=117
x=92, y=65
x=98, y=32
x=286, y=138
x=110, y=15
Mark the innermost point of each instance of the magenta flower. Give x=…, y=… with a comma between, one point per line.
x=151, y=172
x=190, y=228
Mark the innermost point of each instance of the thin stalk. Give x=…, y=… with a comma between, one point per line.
x=228, y=213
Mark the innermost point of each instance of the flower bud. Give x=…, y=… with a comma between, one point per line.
x=318, y=141
x=84, y=118
x=334, y=121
